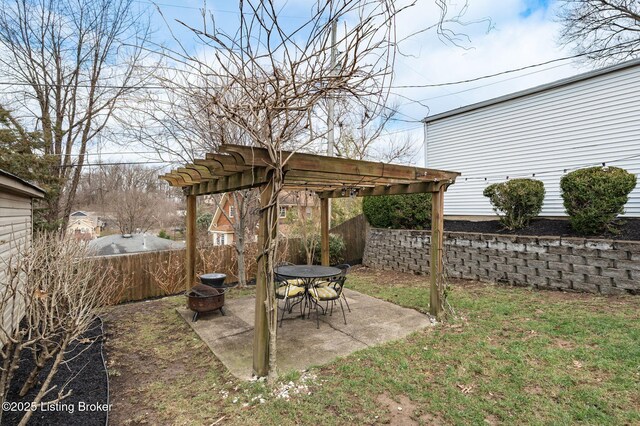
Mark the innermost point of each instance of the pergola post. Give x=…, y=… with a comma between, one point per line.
x=324, y=231
x=261, y=326
x=436, y=249
x=190, y=258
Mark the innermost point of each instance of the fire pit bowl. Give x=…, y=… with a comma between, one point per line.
x=202, y=298
x=214, y=280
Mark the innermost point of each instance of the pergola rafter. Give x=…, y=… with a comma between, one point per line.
x=240, y=167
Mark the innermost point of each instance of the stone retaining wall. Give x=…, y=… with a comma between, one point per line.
x=595, y=266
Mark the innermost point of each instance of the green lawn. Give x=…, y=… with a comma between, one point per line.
x=512, y=356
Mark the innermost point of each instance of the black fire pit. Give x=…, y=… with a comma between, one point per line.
x=214, y=280
x=202, y=299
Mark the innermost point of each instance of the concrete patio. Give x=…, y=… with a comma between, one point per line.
x=300, y=344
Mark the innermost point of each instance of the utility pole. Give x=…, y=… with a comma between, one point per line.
x=331, y=101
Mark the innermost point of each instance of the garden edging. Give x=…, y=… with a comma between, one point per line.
x=549, y=262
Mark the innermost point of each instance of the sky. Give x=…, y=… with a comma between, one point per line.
x=497, y=36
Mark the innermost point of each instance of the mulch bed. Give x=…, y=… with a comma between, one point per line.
x=629, y=229
x=84, y=374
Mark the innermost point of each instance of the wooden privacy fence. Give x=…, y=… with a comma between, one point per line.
x=354, y=234
x=162, y=273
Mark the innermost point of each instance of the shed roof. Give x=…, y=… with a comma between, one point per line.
x=241, y=167
x=12, y=183
x=133, y=243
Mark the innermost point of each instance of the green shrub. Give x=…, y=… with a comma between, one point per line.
x=516, y=201
x=336, y=250
x=595, y=196
x=163, y=234
x=411, y=211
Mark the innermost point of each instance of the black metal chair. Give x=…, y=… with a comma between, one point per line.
x=345, y=269
x=329, y=293
x=287, y=290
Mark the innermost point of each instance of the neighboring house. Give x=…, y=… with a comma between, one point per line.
x=84, y=226
x=130, y=243
x=221, y=227
x=542, y=133
x=16, y=224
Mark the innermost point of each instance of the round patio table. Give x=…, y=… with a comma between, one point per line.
x=308, y=274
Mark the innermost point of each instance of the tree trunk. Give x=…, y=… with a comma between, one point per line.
x=240, y=247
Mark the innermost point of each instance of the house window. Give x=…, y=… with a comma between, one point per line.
x=219, y=239
x=283, y=211
x=232, y=211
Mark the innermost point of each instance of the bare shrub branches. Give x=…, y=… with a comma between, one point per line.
x=58, y=292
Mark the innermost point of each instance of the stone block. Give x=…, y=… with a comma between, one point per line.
x=516, y=261
x=573, y=277
x=560, y=250
x=516, y=278
x=503, y=267
x=549, y=241
x=535, y=248
x=614, y=273
x=586, y=252
x=560, y=284
x=560, y=266
x=549, y=256
x=585, y=269
x=628, y=284
x=527, y=255
x=516, y=247
x=537, y=281
x=612, y=291
x=628, y=264
x=542, y=264
x=497, y=259
x=478, y=244
x=586, y=287
x=597, y=280
x=614, y=254
x=630, y=246
x=599, y=262
x=526, y=270
x=491, y=252
x=599, y=244
x=572, y=242
x=481, y=257
x=525, y=239
x=549, y=273
x=576, y=260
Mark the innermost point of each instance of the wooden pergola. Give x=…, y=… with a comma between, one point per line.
x=241, y=167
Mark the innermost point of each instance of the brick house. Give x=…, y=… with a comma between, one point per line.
x=221, y=227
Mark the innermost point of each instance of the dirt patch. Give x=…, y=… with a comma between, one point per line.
x=563, y=344
x=629, y=229
x=400, y=409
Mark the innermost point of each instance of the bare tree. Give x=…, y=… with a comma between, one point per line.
x=604, y=31
x=268, y=77
x=54, y=287
x=71, y=62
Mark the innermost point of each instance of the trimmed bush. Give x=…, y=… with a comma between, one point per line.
x=595, y=196
x=337, y=250
x=411, y=211
x=516, y=201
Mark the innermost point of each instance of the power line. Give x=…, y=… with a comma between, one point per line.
x=451, y=83
x=115, y=164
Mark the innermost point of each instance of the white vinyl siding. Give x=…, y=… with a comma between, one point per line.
x=15, y=234
x=584, y=123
